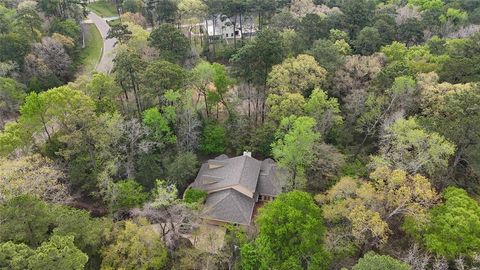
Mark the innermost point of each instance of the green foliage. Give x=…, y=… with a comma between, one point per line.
x=25, y=220
x=410, y=147
x=213, y=139
x=128, y=194
x=291, y=233
x=170, y=41
x=368, y=41
x=372, y=261
x=68, y=28
x=293, y=148
x=57, y=253
x=194, y=196
x=159, y=126
x=427, y=4
x=182, y=168
x=454, y=227
x=135, y=246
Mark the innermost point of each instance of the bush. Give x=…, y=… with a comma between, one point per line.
x=194, y=196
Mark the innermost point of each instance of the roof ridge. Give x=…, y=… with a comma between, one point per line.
x=238, y=203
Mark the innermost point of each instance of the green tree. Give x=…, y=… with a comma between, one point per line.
x=160, y=76
x=170, y=41
x=293, y=148
x=454, y=227
x=135, y=246
x=296, y=75
x=24, y=220
x=194, y=196
x=58, y=252
x=213, y=139
x=408, y=146
x=372, y=261
x=182, y=168
x=253, y=62
x=12, y=95
x=14, y=256
x=203, y=74
x=327, y=54
x=291, y=233
x=128, y=194
x=368, y=41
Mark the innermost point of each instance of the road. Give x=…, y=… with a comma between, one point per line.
x=106, y=62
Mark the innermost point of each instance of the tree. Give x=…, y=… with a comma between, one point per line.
x=28, y=21
x=293, y=148
x=368, y=41
x=14, y=256
x=160, y=76
x=358, y=14
x=254, y=61
x=120, y=32
x=129, y=194
x=11, y=96
x=366, y=212
x=13, y=47
x=158, y=124
x=325, y=111
x=170, y=41
x=451, y=111
x=58, y=252
x=282, y=106
x=86, y=230
x=194, y=196
x=327, y=54
x=182, y=168
x=291, y=233
x=16, y=179
x=407, y=146
x=213, y=139
x=372, y=261
x=454, y=227
x=30, y=226
x=202, y=80
x=135, y=246
x=48, y=58
x=296, y=75
x=127, y=67
x=68, y=28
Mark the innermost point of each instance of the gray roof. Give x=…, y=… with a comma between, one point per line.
x=229, y=205
x=242, y=170
x=233, y=185
x=268, y=183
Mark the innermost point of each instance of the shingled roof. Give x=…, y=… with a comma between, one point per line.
x=233, y=186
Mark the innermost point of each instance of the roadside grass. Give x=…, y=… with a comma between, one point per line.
x=103, y=8
x=91, y=54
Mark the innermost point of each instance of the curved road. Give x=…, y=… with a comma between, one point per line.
x=106, y=62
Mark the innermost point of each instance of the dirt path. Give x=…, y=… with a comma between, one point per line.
x=106, y=62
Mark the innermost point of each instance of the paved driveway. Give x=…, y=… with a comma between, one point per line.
x=106, y=62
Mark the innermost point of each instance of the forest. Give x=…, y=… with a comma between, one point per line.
x=369, y=110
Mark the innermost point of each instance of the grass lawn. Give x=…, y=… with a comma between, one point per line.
x=90, y=55
x=103, y=8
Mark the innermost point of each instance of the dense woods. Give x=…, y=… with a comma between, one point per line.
x=369, y=108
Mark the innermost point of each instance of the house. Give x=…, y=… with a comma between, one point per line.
x=235, y=185
x=224, y=27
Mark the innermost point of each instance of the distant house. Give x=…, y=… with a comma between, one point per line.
x=221, y=26
x=235, y=185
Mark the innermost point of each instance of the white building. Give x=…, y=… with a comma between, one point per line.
x=221, y=26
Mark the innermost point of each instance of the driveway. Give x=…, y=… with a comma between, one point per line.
x=106, y=62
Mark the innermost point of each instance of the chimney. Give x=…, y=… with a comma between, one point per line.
x=248, y=154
